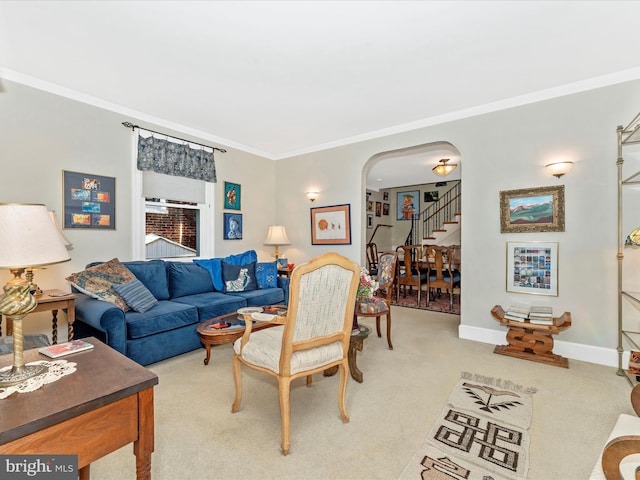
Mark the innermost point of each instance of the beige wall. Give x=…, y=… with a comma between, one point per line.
x=42, y=134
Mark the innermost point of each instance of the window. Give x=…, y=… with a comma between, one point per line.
x=172, y=228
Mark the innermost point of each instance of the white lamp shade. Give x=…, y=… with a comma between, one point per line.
x=558, y=169
x=276, y=236
x=54, y=219
x=28, y=237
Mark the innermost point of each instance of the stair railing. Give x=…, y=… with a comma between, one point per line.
x=441, y=211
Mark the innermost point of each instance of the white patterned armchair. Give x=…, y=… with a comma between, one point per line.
x=314, y=334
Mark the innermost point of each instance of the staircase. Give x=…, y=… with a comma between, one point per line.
x=441, y=224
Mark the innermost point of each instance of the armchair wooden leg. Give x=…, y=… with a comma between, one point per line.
x=342, y=390
x=237, y=377
x=284, y=390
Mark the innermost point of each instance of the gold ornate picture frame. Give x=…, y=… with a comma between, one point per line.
x=532, y=210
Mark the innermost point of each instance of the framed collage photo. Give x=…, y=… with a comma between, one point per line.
x=89, y=201
x=532, y=267
x=331, y=225
x=532, y=210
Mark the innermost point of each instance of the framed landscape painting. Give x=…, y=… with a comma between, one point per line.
x=532, y=267
x=532, y=210
x=331, y=225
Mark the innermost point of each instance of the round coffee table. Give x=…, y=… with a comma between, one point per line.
x=219, y=336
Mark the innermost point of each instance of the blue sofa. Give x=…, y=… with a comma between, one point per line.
x=186, y=297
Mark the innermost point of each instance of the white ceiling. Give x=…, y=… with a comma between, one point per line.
x=284, y=78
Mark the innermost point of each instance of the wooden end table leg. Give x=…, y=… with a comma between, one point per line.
x=54, y=326
x=355, y=345
x=144, y=445
x=85, y=473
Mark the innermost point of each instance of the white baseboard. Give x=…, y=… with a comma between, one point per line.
x=575, y=351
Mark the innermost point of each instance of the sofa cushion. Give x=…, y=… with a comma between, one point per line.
x=267, y=274
x=98, y=281
x=153, y=274
x=212, y=304
x=137, y=296
x=239, y=278
x=261, y=297
x=214, y=265
x=188, y=279
x=165, y=316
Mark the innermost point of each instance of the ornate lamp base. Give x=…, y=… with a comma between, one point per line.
x=17, y=375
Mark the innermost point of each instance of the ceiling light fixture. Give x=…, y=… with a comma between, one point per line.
x=444, y=168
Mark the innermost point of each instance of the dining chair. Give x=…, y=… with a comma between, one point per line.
x=386, y=280
x=441, y=275
x=314, y=335
x=409, y=273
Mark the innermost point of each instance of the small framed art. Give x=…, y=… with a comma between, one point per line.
x=331, y=225
x=232, y=196
x=369, y=220
x=89, y=201
x=232, y=226
x=532, y=210
x=408, y=204
x=532, y=267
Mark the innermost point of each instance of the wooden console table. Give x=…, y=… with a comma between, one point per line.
x=531, y=341
x=106, y=404
x=48, y=303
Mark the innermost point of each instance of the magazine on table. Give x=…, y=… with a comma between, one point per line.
x=67, y=348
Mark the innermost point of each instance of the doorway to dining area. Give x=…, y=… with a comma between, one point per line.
x=403, y=195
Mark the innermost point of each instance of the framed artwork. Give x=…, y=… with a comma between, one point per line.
x=532, y=210
x=378, y=209
x=331, y=225
x=232, y=196
x=89, y=201
x=232, y=226
x=385, y=209
x=369, y=220
x=532, y=267
x=385, y=196
x=431, y=196
x=369, y=205
x=408, y=204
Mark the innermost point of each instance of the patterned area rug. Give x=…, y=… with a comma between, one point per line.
x=438, y=304
x=481, y=434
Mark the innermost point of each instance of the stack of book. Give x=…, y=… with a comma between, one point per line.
x=541, y=315
x=517, y=313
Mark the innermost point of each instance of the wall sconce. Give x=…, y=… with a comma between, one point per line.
x=558, y=169
x=444, y=168
x=312, y=196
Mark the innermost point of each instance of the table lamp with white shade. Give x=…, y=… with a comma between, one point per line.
x=276, y=235
x=28, y=239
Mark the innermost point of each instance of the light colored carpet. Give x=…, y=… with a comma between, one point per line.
x=404, y=391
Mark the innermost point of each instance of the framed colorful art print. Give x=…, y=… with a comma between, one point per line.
x=232, y=226
x=89, y=201
x=331, y=225
x=232, y=196
x=408, y=204
x=532, y=267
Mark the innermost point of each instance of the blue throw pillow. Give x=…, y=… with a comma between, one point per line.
x=137, y=296
x=267, y=274
x=214, y=266
x=239, y=278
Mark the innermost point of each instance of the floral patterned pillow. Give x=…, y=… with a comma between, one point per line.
x=98, y=281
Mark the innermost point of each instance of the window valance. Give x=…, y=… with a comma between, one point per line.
x=177, y=159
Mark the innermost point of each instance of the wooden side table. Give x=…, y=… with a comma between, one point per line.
x=355, y=345
x=284, y=271
x=49, y=303
x=530, y=341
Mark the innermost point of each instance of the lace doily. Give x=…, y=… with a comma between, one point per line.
x=56, y=370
